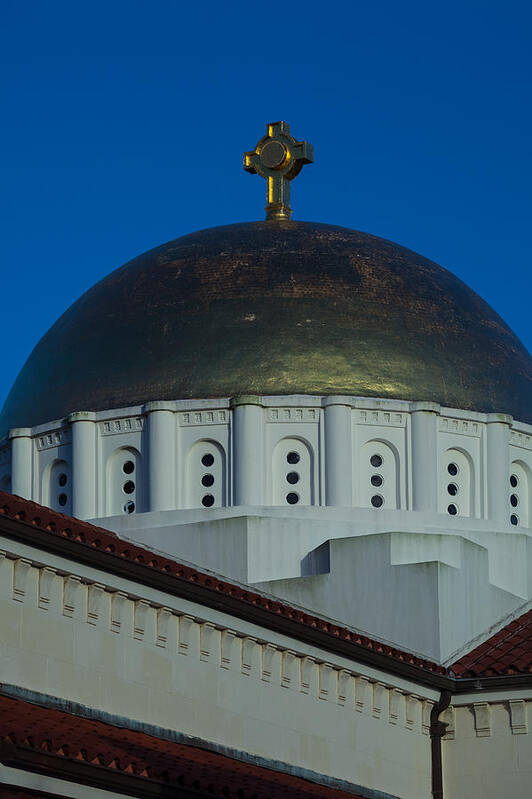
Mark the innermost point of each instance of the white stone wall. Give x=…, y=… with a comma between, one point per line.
x=487, y=750
x=111, y=644
x=277, y=451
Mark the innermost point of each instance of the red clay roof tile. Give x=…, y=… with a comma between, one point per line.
x=508, y=651
x=32, y=728
x=66, y=527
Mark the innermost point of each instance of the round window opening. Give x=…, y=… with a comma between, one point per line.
x=452, y=489
x=377, y=501
x=129, y=507
x=128, y=467
x=452, y=510
x=376, y=480
x=207, y=501
x=292, y=498
x=62, y=479
x=452, y=468
x=292, y=478
x=514, y=519
x=376, y=461
x=513, y=480
x=129, y=487
x=293, y=457
x=207, y=480
x=63, y=499
x=207, y=459
x=514, y=500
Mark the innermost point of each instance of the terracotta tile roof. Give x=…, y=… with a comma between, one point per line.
x=96, y=538
x=507, y=652
x=29, y=730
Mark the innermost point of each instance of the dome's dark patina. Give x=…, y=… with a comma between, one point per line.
x=274, y=308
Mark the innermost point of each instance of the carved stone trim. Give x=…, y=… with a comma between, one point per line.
x=163, y=623
x=114, y=427
x=482, y=715
x=20, y=578
x=192, y=418
x=94, y=602
x=46, y=578
x=291, y=415
x=518, y=718
x=381, y=418
x=522, y=440
x=57, y=438
x=459, y=426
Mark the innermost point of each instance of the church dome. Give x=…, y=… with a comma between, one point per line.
x=274, y=307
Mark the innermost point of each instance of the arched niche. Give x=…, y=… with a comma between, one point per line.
x=56, y=489
x=519, y=493
x=125, y=489
x=378, y=475
x=205, y=475
x=293, y=472
x=457, y=483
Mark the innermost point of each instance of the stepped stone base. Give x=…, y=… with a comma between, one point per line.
x=412, y=580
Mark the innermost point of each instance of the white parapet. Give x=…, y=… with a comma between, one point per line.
x=287, y=451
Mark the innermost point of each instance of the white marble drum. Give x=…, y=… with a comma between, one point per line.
x=288, y=451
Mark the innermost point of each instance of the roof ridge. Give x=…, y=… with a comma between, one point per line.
x=97, y=538
x=110, y=545
x=98, y=748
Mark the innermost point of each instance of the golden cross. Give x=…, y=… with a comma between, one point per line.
x=278, y=158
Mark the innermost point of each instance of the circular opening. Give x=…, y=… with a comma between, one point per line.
x=207, y=501
x=514, y=500
x=452, y=468
x=62, y=479
x=377, y=501
x=207, y=480
x=514, y=519
x=129, y=507
x=293, y=457
x=62, y=500
x=292, y=498
x=292, y=478
x=128, y=467
x=129, y=487
x=513, y=480
x=452, y=510
x=376, y=480
x=207, y=459
x=376, y=461
x=452, y=489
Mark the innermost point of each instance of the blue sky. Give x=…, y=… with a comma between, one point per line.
x=124, y=125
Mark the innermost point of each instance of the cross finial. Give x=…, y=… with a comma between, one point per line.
x=278, y=158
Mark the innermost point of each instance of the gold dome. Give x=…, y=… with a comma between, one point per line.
x=274, y=308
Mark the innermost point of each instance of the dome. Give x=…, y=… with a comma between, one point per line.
x=274, y=308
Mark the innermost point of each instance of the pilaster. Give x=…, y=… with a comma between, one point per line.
x=162, y=442
x=21, y=461
x=425, y=456
x=498, y=466
x=248, y=443
x=83, y=426
x=338, y=452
